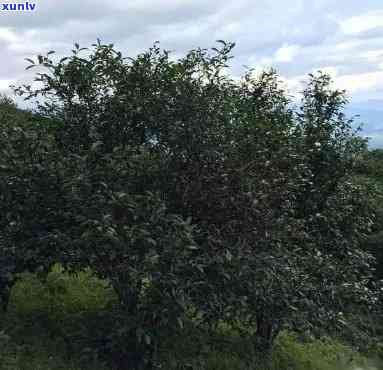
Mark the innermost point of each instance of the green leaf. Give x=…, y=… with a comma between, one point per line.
x=96, y=145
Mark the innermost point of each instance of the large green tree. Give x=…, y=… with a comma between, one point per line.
x=187, y=188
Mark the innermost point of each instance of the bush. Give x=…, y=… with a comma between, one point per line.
x=66, y=312
x=62, y=294
x=324, y=354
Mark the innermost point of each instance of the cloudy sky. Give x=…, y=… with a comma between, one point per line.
x=343, y=37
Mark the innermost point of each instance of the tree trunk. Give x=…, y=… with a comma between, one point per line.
x=263, y=341
x=5, y=293
x=132, y=355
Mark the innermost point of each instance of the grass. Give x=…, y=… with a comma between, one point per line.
x=50, y=325
x=57, y=325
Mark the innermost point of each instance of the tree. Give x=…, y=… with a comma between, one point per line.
x=186, y=188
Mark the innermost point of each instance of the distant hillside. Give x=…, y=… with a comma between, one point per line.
x=371, y=116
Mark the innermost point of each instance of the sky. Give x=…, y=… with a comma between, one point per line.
x=297, y=37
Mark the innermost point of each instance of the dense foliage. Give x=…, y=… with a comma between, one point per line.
x=193, y=194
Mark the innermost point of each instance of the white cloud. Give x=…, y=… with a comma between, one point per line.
x=330, y=70
x=27, y=42
x=362, y=23
x=356, y=83
x=294, y=86
x=286, y=53
x=7, y=35
x=373, y=55
x=4, y=84
x=348, y=45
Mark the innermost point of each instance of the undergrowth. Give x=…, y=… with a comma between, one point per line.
x=64, y=322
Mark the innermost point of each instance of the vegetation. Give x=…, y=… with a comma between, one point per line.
x=63, y=314
x=198, y=221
